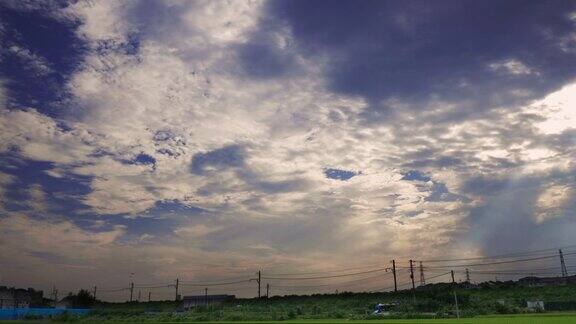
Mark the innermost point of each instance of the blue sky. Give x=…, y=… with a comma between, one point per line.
x=208, y=139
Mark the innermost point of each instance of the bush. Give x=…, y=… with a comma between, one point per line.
x=64, y=317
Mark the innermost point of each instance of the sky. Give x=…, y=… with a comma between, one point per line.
x=206, y=140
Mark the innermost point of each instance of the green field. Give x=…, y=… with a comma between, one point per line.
x=491, y=303
x=550, y=318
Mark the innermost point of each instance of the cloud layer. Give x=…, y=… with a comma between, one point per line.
x=208, y=139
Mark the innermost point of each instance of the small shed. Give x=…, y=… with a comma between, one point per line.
x=204, y=300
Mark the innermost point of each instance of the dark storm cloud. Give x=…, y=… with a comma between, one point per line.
x=417, y=51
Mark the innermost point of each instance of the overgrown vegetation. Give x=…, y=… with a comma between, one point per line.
x=434, y=301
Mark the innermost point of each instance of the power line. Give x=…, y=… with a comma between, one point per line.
x=548, y=270
x=409, y=282
x=214, y=284
x=325, y=277
x=113, y=290
x=331, y=284
x=323, y=272
x=501, y=256
x=154, y=287
x=498, y=262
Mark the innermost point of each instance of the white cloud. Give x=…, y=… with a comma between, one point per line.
x=551, y=201
x=3, y=95
x=5, y=180
x=511, y=66
x=31, y=60
x=100, y=19
x=559, y=108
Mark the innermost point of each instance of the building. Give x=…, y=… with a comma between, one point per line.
x=19, y=298
x=202, y=300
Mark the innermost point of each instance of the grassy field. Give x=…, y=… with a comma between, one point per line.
x=549, y=318
x=491, y=303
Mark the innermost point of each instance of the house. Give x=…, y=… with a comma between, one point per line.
x=19, y=298
x=202, y=300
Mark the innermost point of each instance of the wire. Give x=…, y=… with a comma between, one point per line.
x=331, y=284
x=498, y=262
x=321, y=272
x=325, y=277
x=409, y=282
x=154, y=287
x=113, y=290
x=501, y=256
x=215, y=284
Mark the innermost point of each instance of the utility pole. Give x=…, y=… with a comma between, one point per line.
x=455, y=297
x=94, y=292
x=176, y=288
x=456, y=302
x=149, y=296
x=139, y=295
x=267, y=290
x=467, y=276
x=563, y=264
x=412, y=278
x=53, y=295
x=394, y=273
x=412, y=274
x=422, y=280
x=206, y=296
x=131, y=290
x=259, y=280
